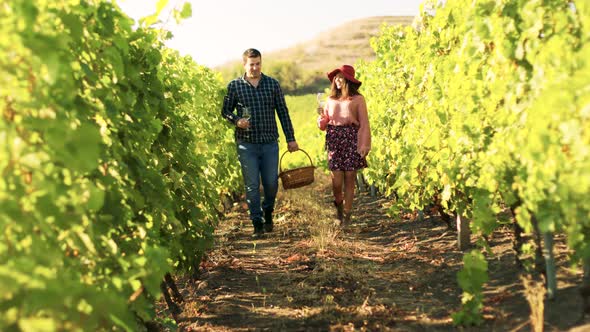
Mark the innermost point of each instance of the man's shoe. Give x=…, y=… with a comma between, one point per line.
x=268, y=225
x=258, y=230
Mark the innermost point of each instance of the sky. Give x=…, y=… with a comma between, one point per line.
x=220, y=30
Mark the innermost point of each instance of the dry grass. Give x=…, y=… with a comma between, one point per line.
x=336, y=288
x=378, y=274
x=324, y=236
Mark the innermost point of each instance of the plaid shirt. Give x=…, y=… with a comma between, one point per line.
x=262, y=101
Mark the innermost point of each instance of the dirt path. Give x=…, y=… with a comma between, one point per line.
x=379, y=274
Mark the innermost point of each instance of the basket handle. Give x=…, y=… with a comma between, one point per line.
x=281, y=161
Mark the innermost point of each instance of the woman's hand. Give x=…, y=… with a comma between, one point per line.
x=323, y=121
x=363, y=151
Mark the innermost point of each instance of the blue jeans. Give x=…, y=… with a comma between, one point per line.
x=259, y=162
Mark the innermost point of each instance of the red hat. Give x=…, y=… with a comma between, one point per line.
x=347, y=71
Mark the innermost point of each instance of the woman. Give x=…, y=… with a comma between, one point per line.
x=348, y=136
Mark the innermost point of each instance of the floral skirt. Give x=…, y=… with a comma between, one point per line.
x=341, y=144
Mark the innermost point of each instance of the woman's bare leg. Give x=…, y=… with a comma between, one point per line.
x=349, y=182
x=337, y=179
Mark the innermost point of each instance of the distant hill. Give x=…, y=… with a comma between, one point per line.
x=341, y=45
x=308, y=61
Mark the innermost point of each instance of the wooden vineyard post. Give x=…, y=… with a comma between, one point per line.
x=463, y=233
x=373, y=190
x=549, y=265
x=585, y=286
x=360, y=182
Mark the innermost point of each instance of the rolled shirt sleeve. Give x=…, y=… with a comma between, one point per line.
x=229, y=105
x=283, y=113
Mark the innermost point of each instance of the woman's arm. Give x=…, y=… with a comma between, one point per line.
x=364, y=134
x=323, y=118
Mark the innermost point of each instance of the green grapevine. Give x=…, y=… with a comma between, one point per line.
x=110, y=162
x=485, y=105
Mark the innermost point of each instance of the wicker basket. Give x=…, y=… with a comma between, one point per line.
x=298, y=177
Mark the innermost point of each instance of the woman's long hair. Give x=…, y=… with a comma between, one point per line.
x=349, y=89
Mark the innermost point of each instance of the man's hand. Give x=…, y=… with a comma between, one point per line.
x=292, y=146
x=243, y=123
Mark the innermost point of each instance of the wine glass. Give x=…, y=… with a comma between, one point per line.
x=321, y=101
x=246, y=114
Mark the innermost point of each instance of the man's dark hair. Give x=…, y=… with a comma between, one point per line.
x=251, y=53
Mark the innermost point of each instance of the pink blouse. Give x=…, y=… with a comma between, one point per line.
x=346, y=112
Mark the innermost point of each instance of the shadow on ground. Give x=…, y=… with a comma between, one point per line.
x=378, y=274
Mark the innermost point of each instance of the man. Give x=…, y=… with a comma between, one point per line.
x=256, y=97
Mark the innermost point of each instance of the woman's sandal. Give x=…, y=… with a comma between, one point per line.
x=347, y=218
